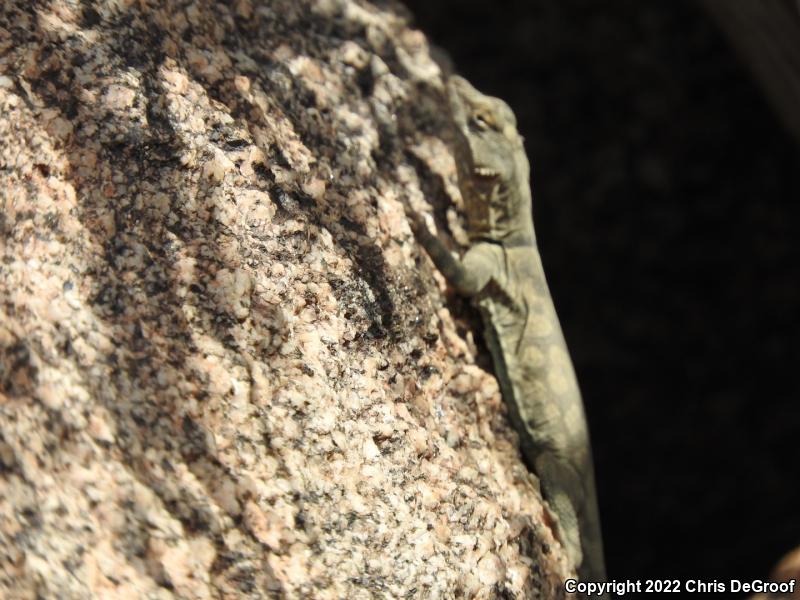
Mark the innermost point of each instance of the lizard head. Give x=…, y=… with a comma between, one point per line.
x=493, y=170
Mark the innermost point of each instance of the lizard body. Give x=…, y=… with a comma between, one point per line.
x=503, y=271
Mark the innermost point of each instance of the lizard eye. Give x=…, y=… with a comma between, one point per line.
x=480, y=122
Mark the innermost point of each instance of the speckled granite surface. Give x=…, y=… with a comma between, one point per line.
x=226, y=369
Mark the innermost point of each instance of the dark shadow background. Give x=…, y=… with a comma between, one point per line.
x=665, y=194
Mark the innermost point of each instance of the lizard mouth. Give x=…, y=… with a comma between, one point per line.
x=485, y=173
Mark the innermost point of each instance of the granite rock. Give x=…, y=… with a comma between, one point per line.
x=226, y=368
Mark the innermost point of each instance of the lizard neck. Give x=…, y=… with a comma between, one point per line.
x=500, y=215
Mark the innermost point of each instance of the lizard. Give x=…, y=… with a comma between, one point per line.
x=502, y=270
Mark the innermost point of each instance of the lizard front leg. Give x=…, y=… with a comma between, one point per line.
x=471, y=273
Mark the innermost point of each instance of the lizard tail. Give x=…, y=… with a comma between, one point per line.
x=571, y=496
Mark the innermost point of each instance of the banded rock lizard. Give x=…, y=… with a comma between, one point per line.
x=503, y=271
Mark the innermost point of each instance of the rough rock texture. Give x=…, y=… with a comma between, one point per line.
x=226, y=368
